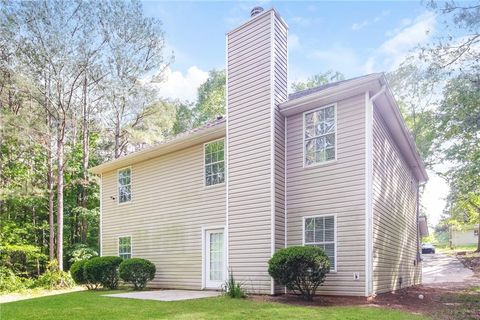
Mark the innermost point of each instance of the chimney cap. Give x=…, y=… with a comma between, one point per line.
x=256, y=11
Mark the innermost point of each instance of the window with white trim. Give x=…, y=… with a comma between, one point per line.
x=124, y=185
x=320, y=232
x=319, y=137
x=214, y=162
x=125, y=247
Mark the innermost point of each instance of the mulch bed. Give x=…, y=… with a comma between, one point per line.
x=442, y=302
x=470, y=260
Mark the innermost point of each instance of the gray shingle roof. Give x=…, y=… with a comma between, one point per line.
x=307, y=92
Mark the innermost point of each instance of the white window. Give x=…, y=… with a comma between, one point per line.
x=319, y=138
x=124, y=185
x=320, y=232
x=214, y=162
x=125, y=247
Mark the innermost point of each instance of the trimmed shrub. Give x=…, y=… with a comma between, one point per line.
x=102, y=271
x=77, y=270
x=54, y=278
x=137, y=271
x=301, y=269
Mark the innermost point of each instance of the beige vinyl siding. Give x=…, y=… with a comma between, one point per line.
x=169, y=207
x=335, y=188
x=280, y=95
x=254, y=167
x=279, y=181
x=394, y=214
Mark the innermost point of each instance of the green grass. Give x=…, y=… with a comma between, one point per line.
x=446, y=249
x=92, y=305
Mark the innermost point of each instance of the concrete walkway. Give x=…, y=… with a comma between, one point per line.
x=440, y=269
x=166, y=295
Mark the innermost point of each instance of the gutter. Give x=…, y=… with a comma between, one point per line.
x=376, y=95
x=369, y=103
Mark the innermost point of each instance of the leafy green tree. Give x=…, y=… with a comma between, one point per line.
x=459, y=143
x=183, y=117
x=413, y=88
x=452, y=58
x=318, y=80
x=211, y=98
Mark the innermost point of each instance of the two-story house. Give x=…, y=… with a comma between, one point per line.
x=333, y=166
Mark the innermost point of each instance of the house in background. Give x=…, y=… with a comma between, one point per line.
x=464, y=237
x=333, y=167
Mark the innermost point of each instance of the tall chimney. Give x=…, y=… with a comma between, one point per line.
x=256, y=84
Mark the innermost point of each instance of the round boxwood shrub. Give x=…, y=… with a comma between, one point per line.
x=137, y=271
x=300, y=269
x=77, y=270
x=103, y=271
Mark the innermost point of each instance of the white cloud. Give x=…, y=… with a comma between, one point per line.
x=412, y=35
x=360, y=25
x=180, y=86
x=305, y=21
x=391, y=53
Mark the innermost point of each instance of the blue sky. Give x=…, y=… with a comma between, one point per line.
x=354, y=38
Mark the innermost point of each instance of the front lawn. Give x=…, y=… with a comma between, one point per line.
x=92, y=305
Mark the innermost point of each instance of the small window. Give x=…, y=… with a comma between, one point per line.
x=320, y=136
x=125, y=247
x=320, y=232
x=214, y=162
x=124, y=185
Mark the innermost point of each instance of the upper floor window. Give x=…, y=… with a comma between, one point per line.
x=125, y=247
x=124, y=185
x=214, y=162
x=320, y=135
x=320, y=232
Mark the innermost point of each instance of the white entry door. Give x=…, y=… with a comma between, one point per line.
x=214, y=259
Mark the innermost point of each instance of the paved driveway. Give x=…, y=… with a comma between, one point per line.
x=441, y=269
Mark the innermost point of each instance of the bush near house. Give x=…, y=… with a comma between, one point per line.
x=102, y=271
x=300, y=269
x=77, y=270
x=233, y=288
x=137, y=271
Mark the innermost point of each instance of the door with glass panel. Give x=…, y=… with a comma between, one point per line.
x=214, y=259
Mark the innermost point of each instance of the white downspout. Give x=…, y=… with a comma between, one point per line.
x=369, y=191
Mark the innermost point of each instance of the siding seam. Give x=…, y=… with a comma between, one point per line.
x=272, y=146
x=368, y=193
x=227, y=169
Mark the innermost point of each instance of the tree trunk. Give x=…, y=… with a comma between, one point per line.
x=117, y=138
x=478, y=236
x=60, y=155
x=85, y=159
x=51, y=222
